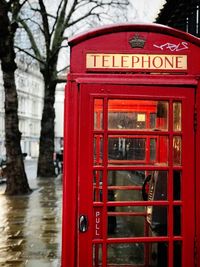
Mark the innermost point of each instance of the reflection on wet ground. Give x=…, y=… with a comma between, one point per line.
x=30, y=226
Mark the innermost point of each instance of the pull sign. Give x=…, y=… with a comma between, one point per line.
x=97, y=223
x=83, y=224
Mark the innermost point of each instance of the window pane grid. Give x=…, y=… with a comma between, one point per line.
x=169, y=128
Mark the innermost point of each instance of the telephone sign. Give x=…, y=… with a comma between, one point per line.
x=136, y=61
x=131, y=161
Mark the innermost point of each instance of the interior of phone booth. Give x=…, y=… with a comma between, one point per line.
x=139, y=115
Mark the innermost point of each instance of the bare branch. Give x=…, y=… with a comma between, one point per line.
x=86, y=15
x=17, y=2
x=15, y=7
x=60, y=27
x=66, y=67
x=36, y=23
x=56, y=17
x=43, y=13
x=91, y=12
x=65, y=38
x=63, y=80
x=31, y=39
x=57, y=50
x=71, y=12
x=30, y=55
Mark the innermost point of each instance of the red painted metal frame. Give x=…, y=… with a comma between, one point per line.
x=72, y=184
x=69, y=229
x=85, y=188
x=197, y=176
x=74, y=151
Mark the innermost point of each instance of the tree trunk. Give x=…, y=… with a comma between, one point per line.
x=16, y=177
x=45, y=160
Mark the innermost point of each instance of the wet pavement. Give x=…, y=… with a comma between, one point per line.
x=30, y=226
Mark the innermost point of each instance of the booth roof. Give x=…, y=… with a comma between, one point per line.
x=140, y=27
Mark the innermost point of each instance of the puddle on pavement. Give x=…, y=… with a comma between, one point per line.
x=30, y=227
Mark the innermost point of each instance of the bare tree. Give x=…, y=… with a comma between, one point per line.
x=16, y=177
x=55, y=27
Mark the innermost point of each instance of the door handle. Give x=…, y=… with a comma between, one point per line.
x=83, y=223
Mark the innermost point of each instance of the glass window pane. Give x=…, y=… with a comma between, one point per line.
x=152, y=120
x=177, y=220
x=136, y=254
x=150, y=221
x=130, y=209
x=177, y=253
x=177, y=150
x=158, y=254
x=158, y=181
x=137, y=114
x=98, y=150
x=125, y=253
x=125, y=148
x=153, y=154
x=126, y=120
x=135, y=149
x=124, y=195
x=97, y=186
x=162, y=149
x=177, y=184
x=138, y=150
x=98, y=114
x=126, y=226
x=157, y=219
x=126, y=178
x=137, y=185
x=177, y=116
x=97, y=255
x=162, y=115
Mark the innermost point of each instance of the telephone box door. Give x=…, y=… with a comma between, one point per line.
x=136, y=176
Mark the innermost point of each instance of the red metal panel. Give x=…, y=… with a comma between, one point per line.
x=137, y=79
x=197, y=175
x=69, y=235
x=85, y=190
x=189, y=178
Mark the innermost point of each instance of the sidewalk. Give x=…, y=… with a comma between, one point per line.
x=30, y=226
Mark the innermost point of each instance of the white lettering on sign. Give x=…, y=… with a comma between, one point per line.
x=173, y=47
x=97, y=223
x=136, y=61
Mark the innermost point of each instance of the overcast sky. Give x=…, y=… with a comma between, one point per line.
x=144, y=10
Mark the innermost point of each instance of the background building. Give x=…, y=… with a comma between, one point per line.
x=30, y=88
x=59, y=110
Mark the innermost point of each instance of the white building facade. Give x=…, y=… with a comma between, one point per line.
x=59, y=121
x=30, y=88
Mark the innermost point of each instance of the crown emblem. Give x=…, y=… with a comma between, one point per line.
x=137, y=41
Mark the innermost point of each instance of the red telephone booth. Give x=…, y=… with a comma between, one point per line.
x=131, y=161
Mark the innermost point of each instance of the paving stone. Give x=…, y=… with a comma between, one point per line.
x=30, y=227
